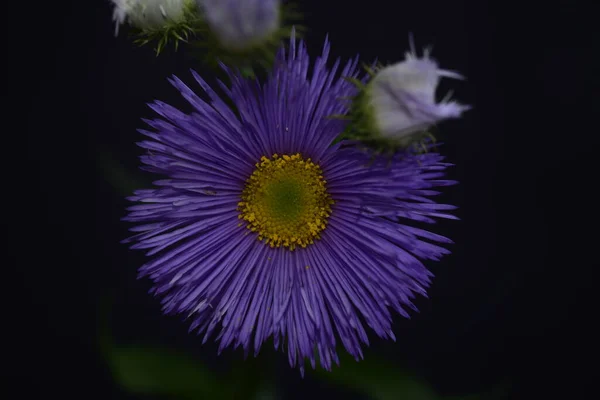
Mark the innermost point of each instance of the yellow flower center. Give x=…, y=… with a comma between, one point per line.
x=285, y=201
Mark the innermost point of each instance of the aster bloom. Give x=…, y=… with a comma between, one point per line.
x=398, y=103
x=157, y=20
x=263, y=228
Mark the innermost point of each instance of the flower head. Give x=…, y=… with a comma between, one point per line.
x=147, y=14
x=262, y=228
x=398, y=103
x=157, y=20
x=241, y=24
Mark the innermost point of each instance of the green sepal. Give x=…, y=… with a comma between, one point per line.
x=173, y=32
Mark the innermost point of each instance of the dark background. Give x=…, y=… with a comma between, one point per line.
x=512, y=304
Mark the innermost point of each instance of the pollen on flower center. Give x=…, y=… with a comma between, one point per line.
x=285, y=201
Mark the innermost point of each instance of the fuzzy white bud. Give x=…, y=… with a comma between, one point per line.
x=239, y=24
x=401, y=97
x=147, y=14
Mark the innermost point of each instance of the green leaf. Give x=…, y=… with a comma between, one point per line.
x=379, y=379
x=157, y=371
x=146, y=370
x=118, y=176
x=266, y=392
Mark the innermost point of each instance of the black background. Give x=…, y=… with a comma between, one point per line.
x=513, y=302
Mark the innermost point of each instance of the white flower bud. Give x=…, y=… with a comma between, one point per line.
x=148, y=14
x=401, y=97
x=240, y=24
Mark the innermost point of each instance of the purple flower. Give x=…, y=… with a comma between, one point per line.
x=262, y=228
x=241, y=24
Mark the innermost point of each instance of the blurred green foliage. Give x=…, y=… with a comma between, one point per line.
x=122, y=180
x=155, y=371
x=158, y=371
x=378, y=379
x=148, y=370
